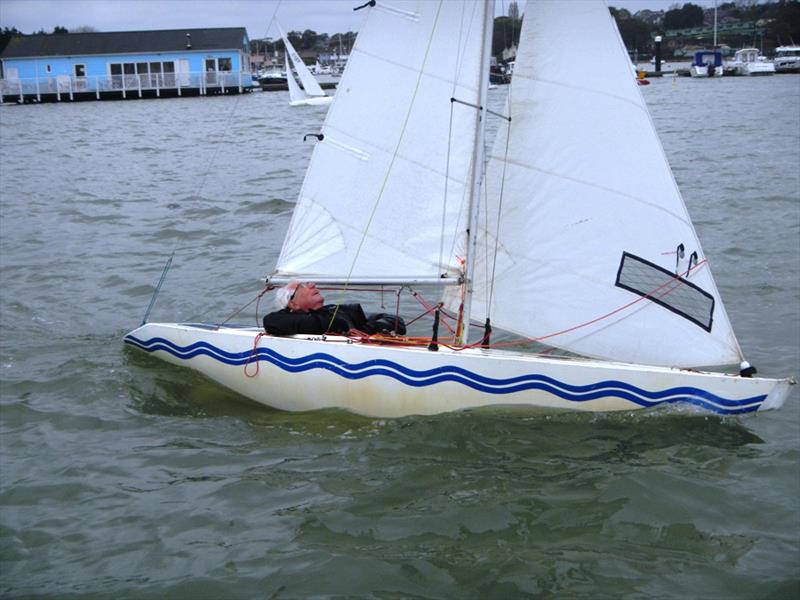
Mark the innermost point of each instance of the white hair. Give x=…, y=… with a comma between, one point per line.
x=284, y=294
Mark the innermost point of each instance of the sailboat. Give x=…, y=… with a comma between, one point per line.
x=311, y=94
x=569, y=231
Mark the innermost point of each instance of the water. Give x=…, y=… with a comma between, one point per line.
x=121, y=476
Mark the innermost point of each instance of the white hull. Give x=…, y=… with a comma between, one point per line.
x=328, y=79
x=702, y=71
x=756, y=69
x=312, y=101
x=308, y=372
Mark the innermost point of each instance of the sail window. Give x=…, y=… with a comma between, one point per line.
x=666, y=289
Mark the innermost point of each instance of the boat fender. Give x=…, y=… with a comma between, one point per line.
x=746, y=369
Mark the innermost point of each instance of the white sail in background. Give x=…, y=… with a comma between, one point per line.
x=380, y=193
x=296, y=95
x=586, y=180
x=310, y=85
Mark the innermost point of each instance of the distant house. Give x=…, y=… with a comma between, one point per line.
x=125, y=64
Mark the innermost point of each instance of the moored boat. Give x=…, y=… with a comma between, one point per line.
x=787, y=59
x=748, y=61
x=707, y=63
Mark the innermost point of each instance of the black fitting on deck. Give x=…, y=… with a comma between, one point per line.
x=319, y=136
x=487, y=333
x=692, y=259
x=370, y=3
x=434, y=345
x=679, y=251
x=748, y=370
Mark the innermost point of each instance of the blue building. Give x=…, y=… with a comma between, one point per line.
x=125, y=64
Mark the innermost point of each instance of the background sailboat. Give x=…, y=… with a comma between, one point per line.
x=311, y=94
x=574, y=234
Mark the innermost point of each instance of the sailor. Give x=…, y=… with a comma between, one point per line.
x=302, y=309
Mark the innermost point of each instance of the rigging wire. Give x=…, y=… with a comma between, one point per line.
x=500, y=204
x=660, y=291
x=446, y=185
x=457, y=65
x=271, y=21
x=391, y=162
x=201, y=186
x=198, y=190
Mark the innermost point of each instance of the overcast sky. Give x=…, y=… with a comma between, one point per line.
x=322, y=16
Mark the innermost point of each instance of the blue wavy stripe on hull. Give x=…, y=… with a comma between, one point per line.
x=572, y=393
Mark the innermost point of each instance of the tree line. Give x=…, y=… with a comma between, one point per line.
x=780, y=19
x=8, y=32
x=505, y=35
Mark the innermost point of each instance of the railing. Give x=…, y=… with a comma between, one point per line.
x=68, y=86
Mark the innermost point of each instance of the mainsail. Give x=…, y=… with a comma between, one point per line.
x=593, y=225
x=387, y=183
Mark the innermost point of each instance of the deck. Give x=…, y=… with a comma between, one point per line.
x=122, y=87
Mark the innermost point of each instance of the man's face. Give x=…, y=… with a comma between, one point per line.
x=306, y=297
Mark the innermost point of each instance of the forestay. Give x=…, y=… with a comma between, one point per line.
x=380, y=197
x=592, y=217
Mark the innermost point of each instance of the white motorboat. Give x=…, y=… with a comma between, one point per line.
x=787, y=59
x=707, y=63
x=748, y=61
x=569, y=231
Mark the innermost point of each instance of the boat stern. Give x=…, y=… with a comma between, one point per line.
x=778, y=394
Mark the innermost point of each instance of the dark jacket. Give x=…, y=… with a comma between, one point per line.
x=348, y=316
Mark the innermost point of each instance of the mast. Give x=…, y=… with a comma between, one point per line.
x=715, y=24
x=477, y=173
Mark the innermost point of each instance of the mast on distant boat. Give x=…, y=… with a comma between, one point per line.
x=715, y=24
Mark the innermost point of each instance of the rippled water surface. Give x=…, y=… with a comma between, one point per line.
x=124, y=477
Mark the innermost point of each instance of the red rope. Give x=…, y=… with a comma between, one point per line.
x=256, y=299
x=362, y=337
x=605, y=316
x=252, y=354
x=430, y=308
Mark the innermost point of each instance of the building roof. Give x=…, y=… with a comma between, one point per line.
x=125, y=42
